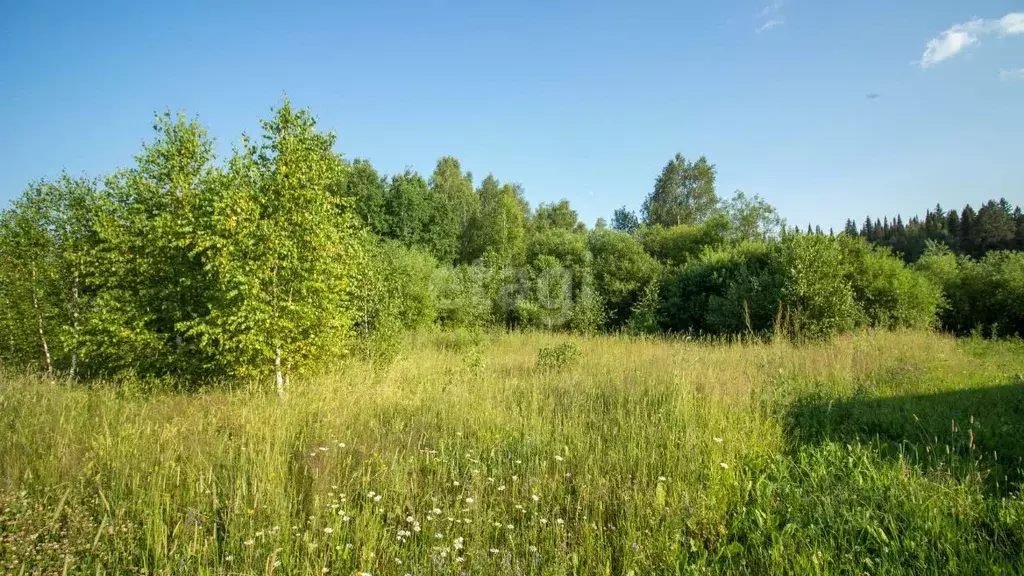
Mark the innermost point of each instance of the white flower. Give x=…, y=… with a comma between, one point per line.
x=469, y=500
x=509, y=527
x=436, y=511
x=324, y=570
x=460, y=560
x=559, y=458
x=377, y=498
x=717, y=439
x=229, y=558
x=439, y=536
x=560, y=521
x=543, y=520
x=724, y=466
x=501, y=488
x=408, y=518
x=250, y=542
x=329, y=530
x=519, y=461
x=661, y=478
x=457, y=544
x=494, y=550
x=535, y=498
x=348, y=546
x=514, y=478
x=371, y=494
x=455, y=482
x=341, y=444
x=533, y=548
x=322, y=448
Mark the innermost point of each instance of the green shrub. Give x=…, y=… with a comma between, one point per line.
x=987, y=294
x=889, y=294
x=621, y=272
x=557, y=357
x=726, y=291
x=816, y=289
x=460, y=296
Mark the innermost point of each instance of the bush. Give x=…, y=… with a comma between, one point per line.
x=987, y=294
x=726, y=291
x=587, y=314
x=460, y=296
x=557, y=357
x=816, y=289
x=621, y=272
x=889, y=294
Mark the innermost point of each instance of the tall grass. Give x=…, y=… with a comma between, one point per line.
x=467, y=455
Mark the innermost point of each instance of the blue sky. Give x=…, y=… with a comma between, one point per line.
x=578, y=100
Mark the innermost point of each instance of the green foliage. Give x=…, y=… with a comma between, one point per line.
x=394, y=293
x=727, y=291
x=684, y=193
x=680, y=244
x=499, y=230
x=643, y=319
x=987, y=294
x=408, y=208
x=557, y=215
x=622, y=270
x=588, y=314
x=283, y=251
x=889, y=294
x=752, y=218
x=816, y=290
x=367, y=188
x=460, y=296
x=454, y=204
x=558, y=357
x=625, y=220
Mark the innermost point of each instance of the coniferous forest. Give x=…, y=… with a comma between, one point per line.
x=286, y=255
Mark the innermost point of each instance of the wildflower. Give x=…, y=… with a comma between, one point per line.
x=345, y=518
x=493, y=550
x=455, y=483
x=661, y=478
x=469, y=500
x=501, y=488
x=250, y=542
x=514, y=478
x=436, y=511
x=717, y=439
x=519, y=461
x=535, y=498
x=341, y=444
x=377, y=498
x=371, y=494
x=460, y=560
x=322, y=448
x=559, y=458
x=724, y=466
x=409, y=519
x=328, y=530
x=438, y=536
x=509, y=527
x=229, y=558
x=324, y=570
x=533, y=548
x=348, y=546
x=543, y=520
x=559, y=521
x=457, y=544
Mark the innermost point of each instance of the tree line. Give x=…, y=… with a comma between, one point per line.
x=995, y=226
x=287, y=257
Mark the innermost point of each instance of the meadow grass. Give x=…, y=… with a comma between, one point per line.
x=875, y=453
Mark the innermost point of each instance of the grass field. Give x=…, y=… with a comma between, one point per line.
x=876, y=453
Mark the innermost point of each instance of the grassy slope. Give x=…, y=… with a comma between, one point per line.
x=876, y=453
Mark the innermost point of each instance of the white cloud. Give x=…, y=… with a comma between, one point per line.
x=774, y=23
x=960, y=36
x=1012, y=74
x=1012, y=23
x=770, y=16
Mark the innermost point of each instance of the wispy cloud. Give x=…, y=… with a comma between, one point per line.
x=771, y=16
x=960, y=36
x=1014, y=74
